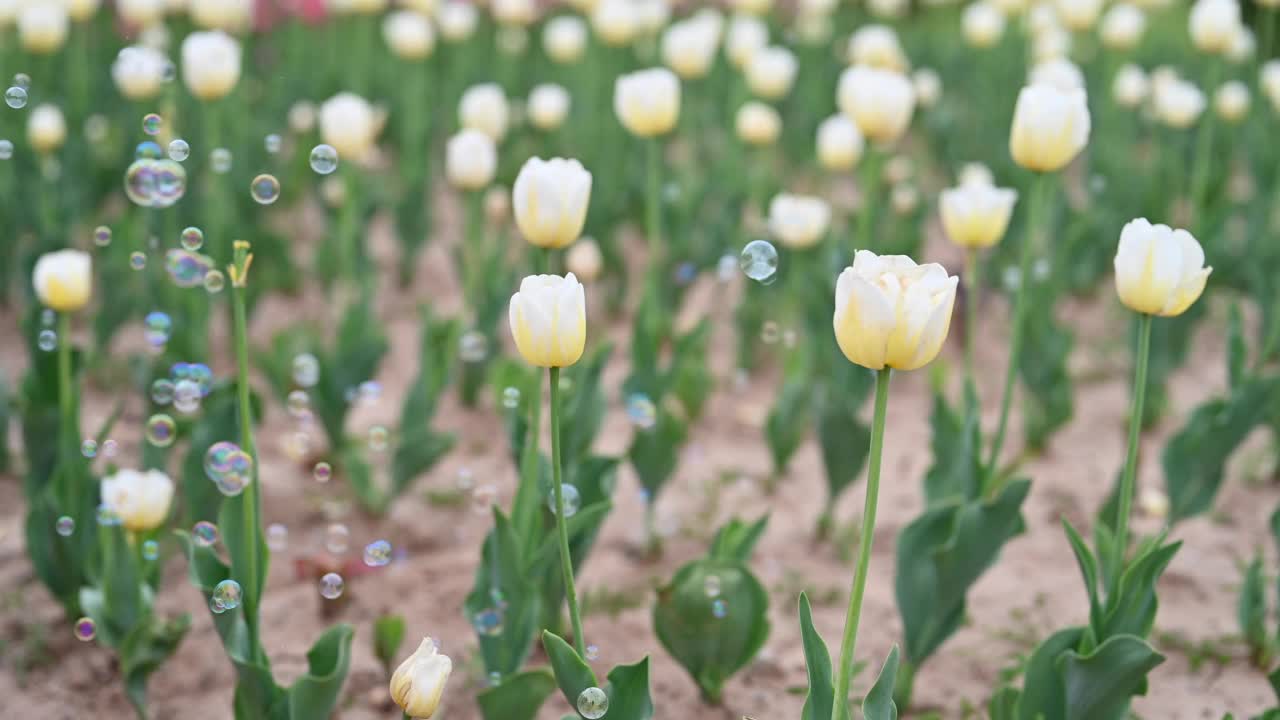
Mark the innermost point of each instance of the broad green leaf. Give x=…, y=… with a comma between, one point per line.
x=503, y=604
x=628, y=692
x=1043, y=692
x=1004, y=704
x=956, y=473
x=788, y=422
x=1237, y=348
x=819, y=699
x=1098, y=686
x=735, y=540
x=878, y=704
x=388, y=634
x=844, y=441
x=655, y=451
x=315, y=694
x=518, y=697
x=573, y=674
x=1131, y=607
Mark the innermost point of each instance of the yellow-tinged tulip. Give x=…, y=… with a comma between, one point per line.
x=514, y=12
x=585, y=260
x=46, y=128
x=1058, y=72
x=564, y=38
x=982, y=24
x=976, y=215
x=975, y=173
x=63, y=279
x=409, y=34
x=771, y=72
x=81, y=10
x=647, y=102
x=42, y=27
x=891, y=312
x=1231, y=101
x=1269, y=82
x=752, y=7
x=615, y=22
x=1159, y=270
x=879, y=101
x=746, y=36
x=228, y=15
x=471, y=159
x=1242, y=46
x=484, y=107
x=1214, y=24
x=551, y=199
x=418, y=684
x=689, y=46
x=140, y=499
x=888, y=9
x=347, y=122
x=877, y=46
x=928, y=87
x=140, y=13
x=457, y=20
x=1079, y=15
x=798, y=221
x=1178, y=103
x=548, y=106
x=1050, y=127
x=210, y=64
x=1122, y=27
x=840, y=143
x=549, y=320
x=1130, y=86
x=138, y=72
x=757, y=123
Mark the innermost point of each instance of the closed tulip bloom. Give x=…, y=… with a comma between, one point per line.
x=1011, y=8
x=928, y=87
x=140, y=13
x=879, y=101
x=975, y=173
x=813, y=29
x=1050, y=127
x=138, y=72
x=1130, y=87
x=228, y=15
x=348, y=123
x=484, y=107
x=1214, y=24
x=302, y=116
x=1060, y=73
x=551, y=199
x=1159, y=270
x=1122, y=27
x=564, y=38
x=647, y=102
x=877, y=46
x=585, y=260
x=457, y=20
x=46, y=128
x=549, y=320
x=514, y=12
x=652, y=15
x=689, y=47
x=63, y=280
x=409, y=34
x=1269, y=81
x=418, y=684
x=81, y=10
x=615, y=22
x=1243, y=45
x=771, y=72
x=548, y=106
x=42, y=27
x=799, y=221
x=140, y=499
x=976, y=215
x=982, y=24
x=471, y=159
x=210, y=64
x=757, y=123
x=891, y=312
x=425, y=7
x=817, y=7
x=904, y=198
x=840, y=144
x=747, y=35
x=1052, y=44
x=1231, y=101
x=1079, y=15
x=1178, y=103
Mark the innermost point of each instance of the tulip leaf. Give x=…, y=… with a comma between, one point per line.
x=1042, y=364
x=820, y=697
x=1237, y=348
x=1043, y=694
x=655, y=451
x=1004, y=704
x=573, y=674
x=844, y=441
x=519, y=696
x=147, y=646
x=879, y=705
x=1131, y=606
x=956, y=473
x=788, y=422
x=735, y=540
x=628, y=692
x=689, y=379
x=1098, y=686
x=1251, y=608
x=388, y=634
x=1088, y=569
x=503, y=604
x=314, y=694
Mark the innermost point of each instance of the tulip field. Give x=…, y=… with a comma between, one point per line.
x=640, y=359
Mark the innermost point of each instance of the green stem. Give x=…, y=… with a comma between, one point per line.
x=1268, y=34
x=972, y=284
x=67, y=415
x=1035, y=218
x=840, y=710
x=473, y=250
x=250, y=499
x=653, y=205
x=1204, y=148
x=869, y=185
x=566, y=562
x=1131, y=461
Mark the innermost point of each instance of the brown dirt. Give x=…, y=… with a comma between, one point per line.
x=1034, y=589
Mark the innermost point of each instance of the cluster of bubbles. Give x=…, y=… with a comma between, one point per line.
x=265, y=189
x=85, y=628
x=153, y=180
x=331, y=586
x=187, y=268
x=157, y=327
x=186, y=386
x=204, y=533
x=306, y=370
x=226, y=596
x=377, y=553
x=571, y=500
x=229, y=467
x=759, y=261
x=593, y=703
x=641, y=411
x=160, y=430
x=324, y=159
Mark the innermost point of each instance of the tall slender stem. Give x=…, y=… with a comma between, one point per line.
x=1204, y=149
x=840, y=710
x=653, y=205
x=869, y=188
x=67, y=414
x=1035, y=218
x=562, y=529
x=972, y=286
x=251, y=498
x=1131, y=460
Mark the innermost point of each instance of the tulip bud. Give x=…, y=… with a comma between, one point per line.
x=1178, y=103
x=549, y=320
x=1159, y=270
x=457, y=20
x=652, y=15
x=347, y=123
x=928, y=87
x=140, y=499
x=813, y=29
x=771, y=72
x=976, y=215
x=757, y=123
x=1011, y=8
x=1269, y=81
x=904, y=198
x=747, y=35
x=82, y=10
x=891, y=312
x=548, y=106
x=689, y=46
x=1130, y=86
x=1154, y=503
x=1214, y=24
x=138, y=72
x=418, y=684
x=799, y=221
x=1051, y=44
x=877, y=46
x=615, y=22
x=140, y=13
x=1243, y=44
x=1079, y=15
x=982, y=24
x=585, y=260
x=63, y=279
x=471, y=159
x=210, y=64
x=484, y=107
x=42, y=27
x=879, y=101
x=226, y=15
x=1060, y=73
x=46, y=128
x=975, y=173
x=1122, y=27
x=564, y=38
x=647, y=102
x=840, y=144
x=514, y=12
x=1050, y=127
x=155, y=36
x=408, y=34
x=1231, y=101
x=551, y=199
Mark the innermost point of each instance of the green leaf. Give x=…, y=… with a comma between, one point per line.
x=956, y=473
x=655, y=451
x=418, y=450
x=628, y=692
x=735, y=540
x=819, y=699
x=844, y=441
x=788, y=422
x=1237, y=348
x=1098, y=686
x=1043, y=694
x=1004, y=704
x=1088, y=569
x=573, y=674
x=690, y=379
x=517, y=697
x=145, y=649
x=388, y=634
x=1042, y=364
x=878, y=704
x=502, y=579
x=314, y=694
x=1131, y=607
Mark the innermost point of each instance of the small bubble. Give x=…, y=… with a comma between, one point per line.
x=227, y=594
x=204, y=533
x=510, y=398
x=271, y=143
x=641, y=411
x=593, y=703
x=85, y=629
x=65, y=525
x=148, y=150
x=220, y=160
x=370, y=391
x=186, y=396
x=377, y=553
x=47, y=340
x=192, y=239
x=719, y=608
x=161, y=430
x=298, y=403
x=306, y=370
x=216, y=607
x=102, y=236
x=495, y=679
x=331, y=586
x=47, y=317
x=324, y=159
x=150, y=550
x=106, y=517
x=322, y=472
x=711, y=586
x=769, y=332
x=473, y=347
x=151, y=124
x=488, y=622
x=22, y=80
x=265, y=189
x=179, y=150
x=570, y=497
x=6, y=149
x=158, y=326
x=137, y=260
x=277, y=537
x=162, y=391
x=593, y=653
x=377, y=438
x=336, y=538
x=15, y=97
x=759, y=260
x=214, y=281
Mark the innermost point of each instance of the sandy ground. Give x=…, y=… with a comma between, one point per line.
x=1034, y=588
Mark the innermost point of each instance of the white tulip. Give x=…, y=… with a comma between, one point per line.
x=81, y=10
x=798, y=221
x=877, y=46
x=1159, y=270
x=1130, y=87
x=1178, y=103
x=457, y=20
x=471, y=159
x=976, y=214
x=409, y=34
x=418, y=684
x=227, y=15
x=975, y=173
x=1122, y=27
x=140, y=13
x=548, y=106
x=548, y=318
x=514, y=12
x=982, y=24
x=551, y=199
x=63, y=280
x=771, y=72
x=348, y=123
x=210, y=64
x=840, y=144
x=46, y=128
x=484, y=107
x=1050, y=127
x=140, y=499
x=1214, y=24
x=887, y=9
x=43, y=26
x=928, y=87
x=747, y=35
x=647, y=102
x=564, y=38
x=1052, y=44
x=615, y=22
x=1231, y=101
x=302, y=116
x=1269, y=81
x=652, y=15
x=757, y=123
x=689, y=47
x=879, y=101
x=138, y=72
x=1060, y=73
x=585, y=260
x=1079, y=15
x=1243, y=45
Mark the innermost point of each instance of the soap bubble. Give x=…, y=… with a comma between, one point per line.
x=102, y=236
x=227, y=594
x=85, y=628
x=148, y=150
x=488, y=622
x=6, y=149
x=162, y=391
x=192, y=238
x=510, y=398
x=204, y=533
x=641, y=411
x=47, y=340
x=160, y=430
x=265, y=189
x=150, y=550
x=272, y=143
x=473, y=347
x=322, y=472
x=306, y=370
x=89, y=448
x=571, y=498
x=137, y=260
x=593, y=703
x=331, y=586
x=336, y=537
x=214, y=281
x=185, y=268
x=15, y=97
x=155, y=183
x=377, y=553
x=277, y=537
x=759, y=261
x=151, y=123
x=324, y=159
x=158, y=326
x=220, y=160
x=65, y=525
x=179, y=150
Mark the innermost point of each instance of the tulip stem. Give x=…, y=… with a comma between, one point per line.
x=840, y=710
x=1035, y=218
x=557, y=489
x=972, y=285
x=1131, y=460
x=67, y=411
x=869, y=188
x=1204, y=151
x=653, y=205
x=250, y=499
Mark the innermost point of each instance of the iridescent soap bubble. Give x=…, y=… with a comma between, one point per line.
x=105, y=516
x=85, y=629
x=89, y=448
x=759, y=261
x=227, y=594
x=162, y=391
x=109, y=448
x=47, y=340
x=593, y=652
x=306, y=370
x=148, y=150
x=473, y=347
x=277, y=537
x=265, y=189
x=179, y=150
x=229, y=467
x=150, y=550
x=155, y=183
x=510, y=398
x=204, y=533
x=377, y=553
x=151, y=123
x=214, y=281
x=324, y=159
x=161, y=430
x=15, y=97
x=272, y=143
x=220, y=160
x=336, y=538
x=370, y=391
x=186, y=396
x=331, y=586
x=192, y=238
x=65, y=525
x=157, y=328
x=185, y=268
x=641, y=411
x=593, y=703
x=137, y=260
x=571, y=498
x=488, y=622
x=102, y=236
x=322, y=472
x=6, y=149
x=201, y=375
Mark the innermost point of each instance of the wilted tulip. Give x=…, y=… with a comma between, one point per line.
x=891, y=312
x=564, y=38
x=210, y=64
x=548, y=106
x=771, y=72
x=976, y=215
x=551, y=199
x=138, y=72
x=549, y=320
x=757, y=123
x=140, y=499
x=799, y=221
x=63, y=279
x=418, y=684
x=471, y=159
x=840, y=143
x=879, y=101
x=484, y=107
x=1159, y=270
x=1050, y=127
x=647, y=102
x=409, y=34
x=46, y=128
